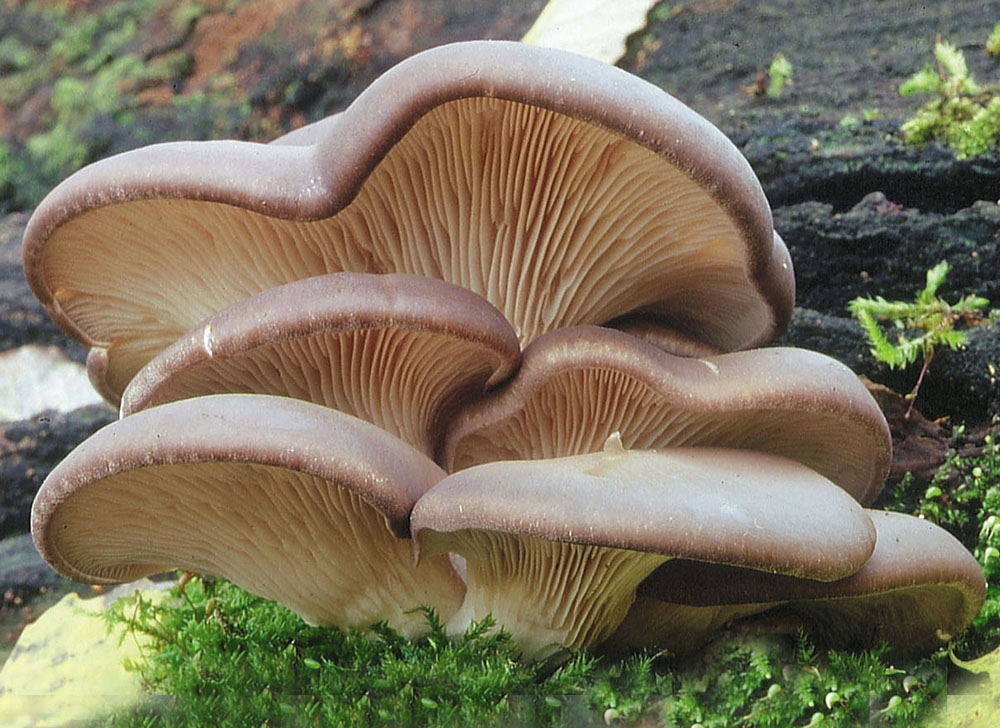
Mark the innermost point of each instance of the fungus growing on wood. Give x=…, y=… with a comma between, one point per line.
x=399, y=351
x=577, y=386
x=292, y=501
x=386, y=245
x=555, y=548
x=563, y=190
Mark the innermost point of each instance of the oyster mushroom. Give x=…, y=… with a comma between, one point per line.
x=292, y=501
x=577, y=386
x=399, y=351
x=555, y=548
x=561, y=189
x=919, y=589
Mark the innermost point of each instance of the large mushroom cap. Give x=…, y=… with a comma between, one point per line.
x=291, y=500
x=399, y=351
x=919, y=589
x=555, y=548
x=578, y=385
x=561, y=189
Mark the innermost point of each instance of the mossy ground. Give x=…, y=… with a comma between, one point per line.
x=224, y=657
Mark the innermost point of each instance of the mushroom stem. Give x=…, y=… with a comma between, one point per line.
x=549, y=595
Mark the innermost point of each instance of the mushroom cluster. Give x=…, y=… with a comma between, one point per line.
x=486, y=341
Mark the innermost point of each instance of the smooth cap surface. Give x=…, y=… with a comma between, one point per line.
x=709, y=504
x=919, y=589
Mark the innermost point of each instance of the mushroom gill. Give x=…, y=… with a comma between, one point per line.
x=293, y=501
x=559, y=206
x=579, y=385
x=555, y=548
x=399, y=351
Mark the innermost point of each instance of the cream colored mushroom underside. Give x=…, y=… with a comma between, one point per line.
x=679, y=628
x=918, y=617
x=397, y=379
x=554, y=221
x=547, y=594
x=575, y=413
x=297, y=539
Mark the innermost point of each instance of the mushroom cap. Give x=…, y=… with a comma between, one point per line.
x=718, y=505
x=293, y=501
x=399, y=351
x=561, y=189
x=555, y=548
x=920, y=588
x=790, y=402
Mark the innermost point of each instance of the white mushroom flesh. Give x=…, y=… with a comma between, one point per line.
x=550, y=595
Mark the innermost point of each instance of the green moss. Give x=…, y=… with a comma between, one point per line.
x=918, y=328
x=923, y=325
x=766, y=683
x=961, y=113
x=185, y=13
x=993, y=42
x=98, y=69
x=964, y=498
x=14, y=55
x=231, y=659
x=227, y=658
x=778, y=74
